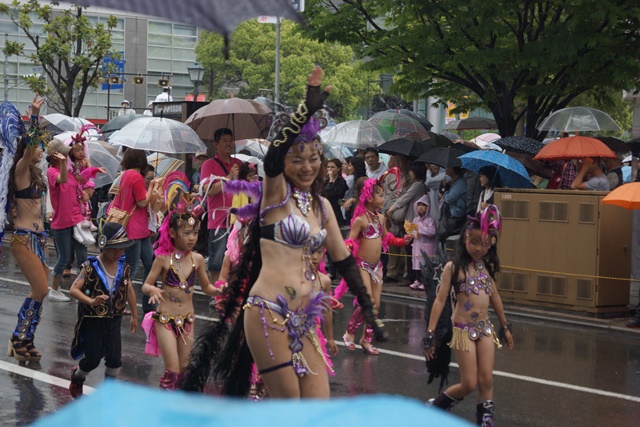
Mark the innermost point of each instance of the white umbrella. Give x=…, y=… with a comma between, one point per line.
x=100, y=157
x=354, y=133
x=578, y=119
x=158, y=134
x=253, y=160
x=66, y=123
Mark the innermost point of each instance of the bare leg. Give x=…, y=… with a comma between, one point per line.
x=36, y=273
x=468, y=373
x=486, y=349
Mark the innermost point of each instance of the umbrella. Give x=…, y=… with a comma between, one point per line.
x=616, y=145
x=472, y=122
x=512, y=173
x=444, y=157
x=159, y=134
x=65, y=123
x=257, y=147
x=218, y=16
x=163, y=164
x=534, y=167
x=440, y=140
x=118, y=122
x=450, y=135
x=395, y=125
x=408, y=147
x=423, y=121
x=485, y=138
x=465, y=146
x=578, y=119
x=179, y=408
x=574, y=147
x=627, y=196
x=246, y=118
x=520, y=144
x=101, y=157
x=354, y=133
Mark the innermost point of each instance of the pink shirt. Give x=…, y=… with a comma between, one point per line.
x=133, y=190
x=64, y=200
x=218, y=205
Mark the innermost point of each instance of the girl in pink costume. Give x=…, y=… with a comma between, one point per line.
x=79, y=164
x=172, y=322
x=367, y=239
x=425, y=239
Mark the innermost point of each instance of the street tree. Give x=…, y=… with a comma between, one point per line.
x=251, y=66
x=69, y=46
x=520, y=59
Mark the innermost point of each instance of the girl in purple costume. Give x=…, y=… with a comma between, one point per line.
x=471, y=275
x=179, y=266
x=282, y=298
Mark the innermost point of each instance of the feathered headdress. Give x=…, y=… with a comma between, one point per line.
x=489, y=221
x=81, y=137
x=11, y=129
x=181, y=207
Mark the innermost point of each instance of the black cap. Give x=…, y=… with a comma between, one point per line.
x=113, y=235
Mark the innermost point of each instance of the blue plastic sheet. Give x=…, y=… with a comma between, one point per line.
x=117, y=403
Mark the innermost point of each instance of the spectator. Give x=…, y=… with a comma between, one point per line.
x=335, y=188
x=614, y=172
x=165, y=96
x=124, y=108
x=489, y=181
x=598, y=180
x=375, y=168
x=435, y=176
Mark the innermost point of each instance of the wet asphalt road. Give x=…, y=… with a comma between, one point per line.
x=557, y=375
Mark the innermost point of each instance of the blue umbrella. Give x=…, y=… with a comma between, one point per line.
x=512, y=173
x=112, y=405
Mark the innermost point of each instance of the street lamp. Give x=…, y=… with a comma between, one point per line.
x=196, y=73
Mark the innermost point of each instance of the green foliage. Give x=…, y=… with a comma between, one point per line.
x=251, y=65
x=521, y=59
x=70, y=48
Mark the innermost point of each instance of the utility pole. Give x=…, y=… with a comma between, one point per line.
x=277, y=88
x=6, y=79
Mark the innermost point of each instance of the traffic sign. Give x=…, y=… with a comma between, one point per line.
x=268, y=19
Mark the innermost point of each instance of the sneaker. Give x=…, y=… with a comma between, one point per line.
x=56, y=295
x=421, y=287
x=635, y=323
x=415, y=286
x=75, y=387
x=66, y=272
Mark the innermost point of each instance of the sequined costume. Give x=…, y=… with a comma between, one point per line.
x=35, y=241
x=298, y=324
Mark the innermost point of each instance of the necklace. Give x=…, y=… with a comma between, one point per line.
x=303, y=200
x=372, y=216
x=177, y=258
x=175, y=266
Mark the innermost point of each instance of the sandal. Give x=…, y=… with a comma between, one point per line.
x=369, y=349
x=349, y=344
x=13, y=350
x=34, y=355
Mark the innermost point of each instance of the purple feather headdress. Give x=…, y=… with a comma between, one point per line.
x=309, y=131
x=489, y=221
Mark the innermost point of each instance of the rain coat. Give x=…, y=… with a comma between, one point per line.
x=426, y=239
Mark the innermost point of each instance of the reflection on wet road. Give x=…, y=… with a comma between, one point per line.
x=557, y=374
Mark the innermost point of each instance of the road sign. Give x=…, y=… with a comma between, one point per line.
x=117, y=70
x=268, y=19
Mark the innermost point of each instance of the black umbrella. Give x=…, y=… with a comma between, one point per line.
x=440, y=140
x=218, y=16
x=520, y=144
x=450, y=136
x=118, y=122
x=473, y=122
x=616, y=145
x=424, y=122
x=444, y=157
x=408, y=147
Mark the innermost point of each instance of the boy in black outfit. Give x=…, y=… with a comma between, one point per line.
x=102, y=289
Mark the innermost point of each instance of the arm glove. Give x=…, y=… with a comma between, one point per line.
x=348, y=269
x=395, y=241
x=274, y=159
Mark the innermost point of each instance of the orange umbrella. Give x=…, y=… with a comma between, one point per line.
x=575, y=147
x=627, y=196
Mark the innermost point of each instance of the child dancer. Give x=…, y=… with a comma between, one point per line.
x=471, y=274
x=79, y=164
x=425, y=239
x=102, y=289
x=172, y=322
x=366, y=240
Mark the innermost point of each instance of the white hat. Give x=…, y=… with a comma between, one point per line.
x=200, y=153
x=124, y=100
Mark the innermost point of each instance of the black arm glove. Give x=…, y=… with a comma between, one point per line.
x=274, y=159
x=349, y=270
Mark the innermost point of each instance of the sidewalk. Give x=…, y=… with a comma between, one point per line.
x=397, y=290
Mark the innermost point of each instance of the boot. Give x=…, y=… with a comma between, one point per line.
x=23, y=335
x=443, y=401
x=77, y=381
x=484, y=413
x=169, y=380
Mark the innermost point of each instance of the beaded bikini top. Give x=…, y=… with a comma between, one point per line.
x=475, y=284
x=293, y=230
x=174, y=280
x=374, y=228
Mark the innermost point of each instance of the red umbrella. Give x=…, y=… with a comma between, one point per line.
x=575, y=147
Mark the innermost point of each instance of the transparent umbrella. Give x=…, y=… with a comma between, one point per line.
x=65, y=123
x=578, y=119
x=100, y=157
x=158, y=134
x=354, y=133
x=395, y=125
